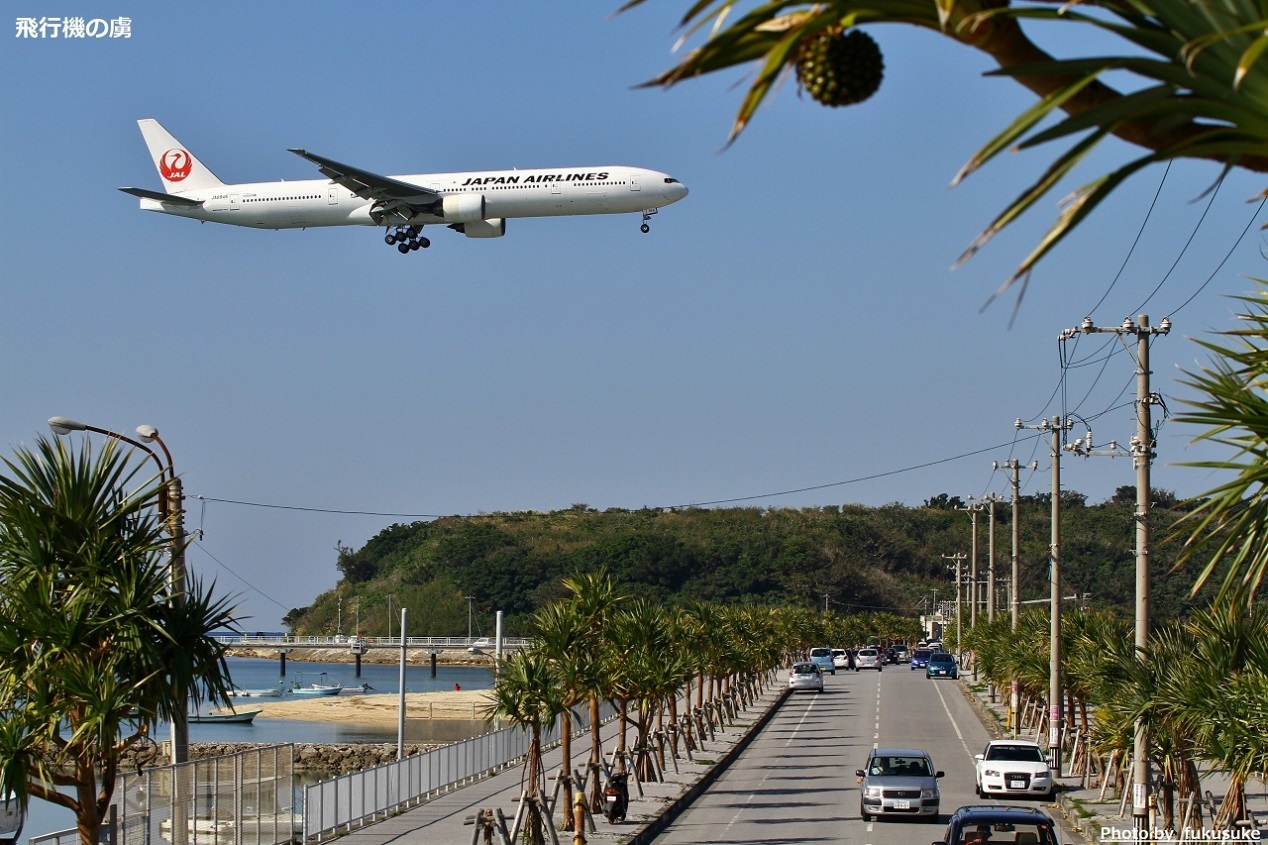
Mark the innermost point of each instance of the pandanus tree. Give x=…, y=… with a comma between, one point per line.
x=529, y=695
x=559, y=634
x=1193, y=80
x=95, y=649
x=595, y=597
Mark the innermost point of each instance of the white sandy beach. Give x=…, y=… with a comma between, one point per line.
x=377, y=708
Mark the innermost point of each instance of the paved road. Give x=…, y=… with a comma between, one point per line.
x=795, y=783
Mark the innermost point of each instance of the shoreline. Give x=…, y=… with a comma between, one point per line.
x=378, y=709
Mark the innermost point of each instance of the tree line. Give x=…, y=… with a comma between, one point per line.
x=845, y=558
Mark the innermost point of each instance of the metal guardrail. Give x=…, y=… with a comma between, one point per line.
x=334, y=807
x=233, y=799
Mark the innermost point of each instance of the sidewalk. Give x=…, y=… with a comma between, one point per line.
x=441, y=820
x=1086, y=812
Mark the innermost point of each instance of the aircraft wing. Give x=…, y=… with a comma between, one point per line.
x=170, y=199
x=372, y=186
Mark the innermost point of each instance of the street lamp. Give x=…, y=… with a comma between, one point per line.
x=172, y=514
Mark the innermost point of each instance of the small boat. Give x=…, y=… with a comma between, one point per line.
x=321, y=688
x=230, y=717
x=267, y=692
x=359, y=688
x=317, y=689
x=12, y=818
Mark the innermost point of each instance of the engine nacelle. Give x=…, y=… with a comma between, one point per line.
x=462, y=208
x=494, y=228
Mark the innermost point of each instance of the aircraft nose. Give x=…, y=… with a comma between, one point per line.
x=676, y=191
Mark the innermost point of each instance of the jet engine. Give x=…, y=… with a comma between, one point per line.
x=462, y=208
x=493, y=228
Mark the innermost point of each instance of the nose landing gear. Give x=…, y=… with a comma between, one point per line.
x=406, y=239
x=647, y=215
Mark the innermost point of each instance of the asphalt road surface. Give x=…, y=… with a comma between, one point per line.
x=795, y=782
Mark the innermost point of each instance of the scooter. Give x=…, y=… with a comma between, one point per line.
x=616, y=796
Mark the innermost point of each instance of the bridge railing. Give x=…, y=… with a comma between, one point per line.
x=484, y=644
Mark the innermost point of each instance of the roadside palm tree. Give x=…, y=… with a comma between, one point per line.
x=1229, y=524
x=1196, y=88
x=594, y=598
x=93, y=651
x=528, y=694
x=559, y=634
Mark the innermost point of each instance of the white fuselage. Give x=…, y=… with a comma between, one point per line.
x=547, y=192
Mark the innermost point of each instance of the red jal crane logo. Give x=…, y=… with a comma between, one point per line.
x=175, y=165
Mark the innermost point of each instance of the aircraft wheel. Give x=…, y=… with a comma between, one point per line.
x=424, y=243
x=414, y=245
x=389, y=239
x=414, y=230
x=645, y=228
x=402, y=248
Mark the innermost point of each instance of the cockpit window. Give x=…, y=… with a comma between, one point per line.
x=669, y=180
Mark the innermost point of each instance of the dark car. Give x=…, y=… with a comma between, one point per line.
x=920, y=657
x=999, y=823
x=941, y=665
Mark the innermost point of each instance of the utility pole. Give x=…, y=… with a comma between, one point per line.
x=973, y=511
x=958, y=557
x=1142, y=451
x=1014, y=586
x=1057, y=427
x=990, y=560
x=469, y=600
x=339, y=616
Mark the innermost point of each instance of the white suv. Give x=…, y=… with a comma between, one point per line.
x=1013, y=767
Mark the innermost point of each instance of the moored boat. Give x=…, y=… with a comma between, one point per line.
x=231, y=717
x=266, y=692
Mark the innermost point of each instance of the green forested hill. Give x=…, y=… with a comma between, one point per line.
x=860, y=558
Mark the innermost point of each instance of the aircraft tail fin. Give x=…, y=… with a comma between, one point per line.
x=177, y=167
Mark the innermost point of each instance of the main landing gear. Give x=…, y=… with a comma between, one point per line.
x=406, y=239
x=647, y=215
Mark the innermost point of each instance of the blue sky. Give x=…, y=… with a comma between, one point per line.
x=793, y=323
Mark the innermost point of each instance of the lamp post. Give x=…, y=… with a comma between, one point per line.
x=173, y=515
x=469, y=599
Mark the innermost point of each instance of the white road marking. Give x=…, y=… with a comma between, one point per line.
x=959, y=735
x=804, y=716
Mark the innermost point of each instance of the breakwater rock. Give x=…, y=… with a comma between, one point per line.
x=316, y=758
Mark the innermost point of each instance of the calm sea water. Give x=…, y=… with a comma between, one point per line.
x=249, y=673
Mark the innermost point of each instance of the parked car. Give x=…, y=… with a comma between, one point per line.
x=999, y=823
x=941, y=665
x=868, y=658
x=822, y=657
x=899, y=782
x=841, y=658
x=920, y=657
x=1013, y=767
x=805, y=676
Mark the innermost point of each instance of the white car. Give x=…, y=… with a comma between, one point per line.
x=869, y=658
x=840, y=658
x=1013, y=767
x=805, y=676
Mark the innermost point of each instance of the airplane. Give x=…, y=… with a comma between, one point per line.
x=476, y=204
